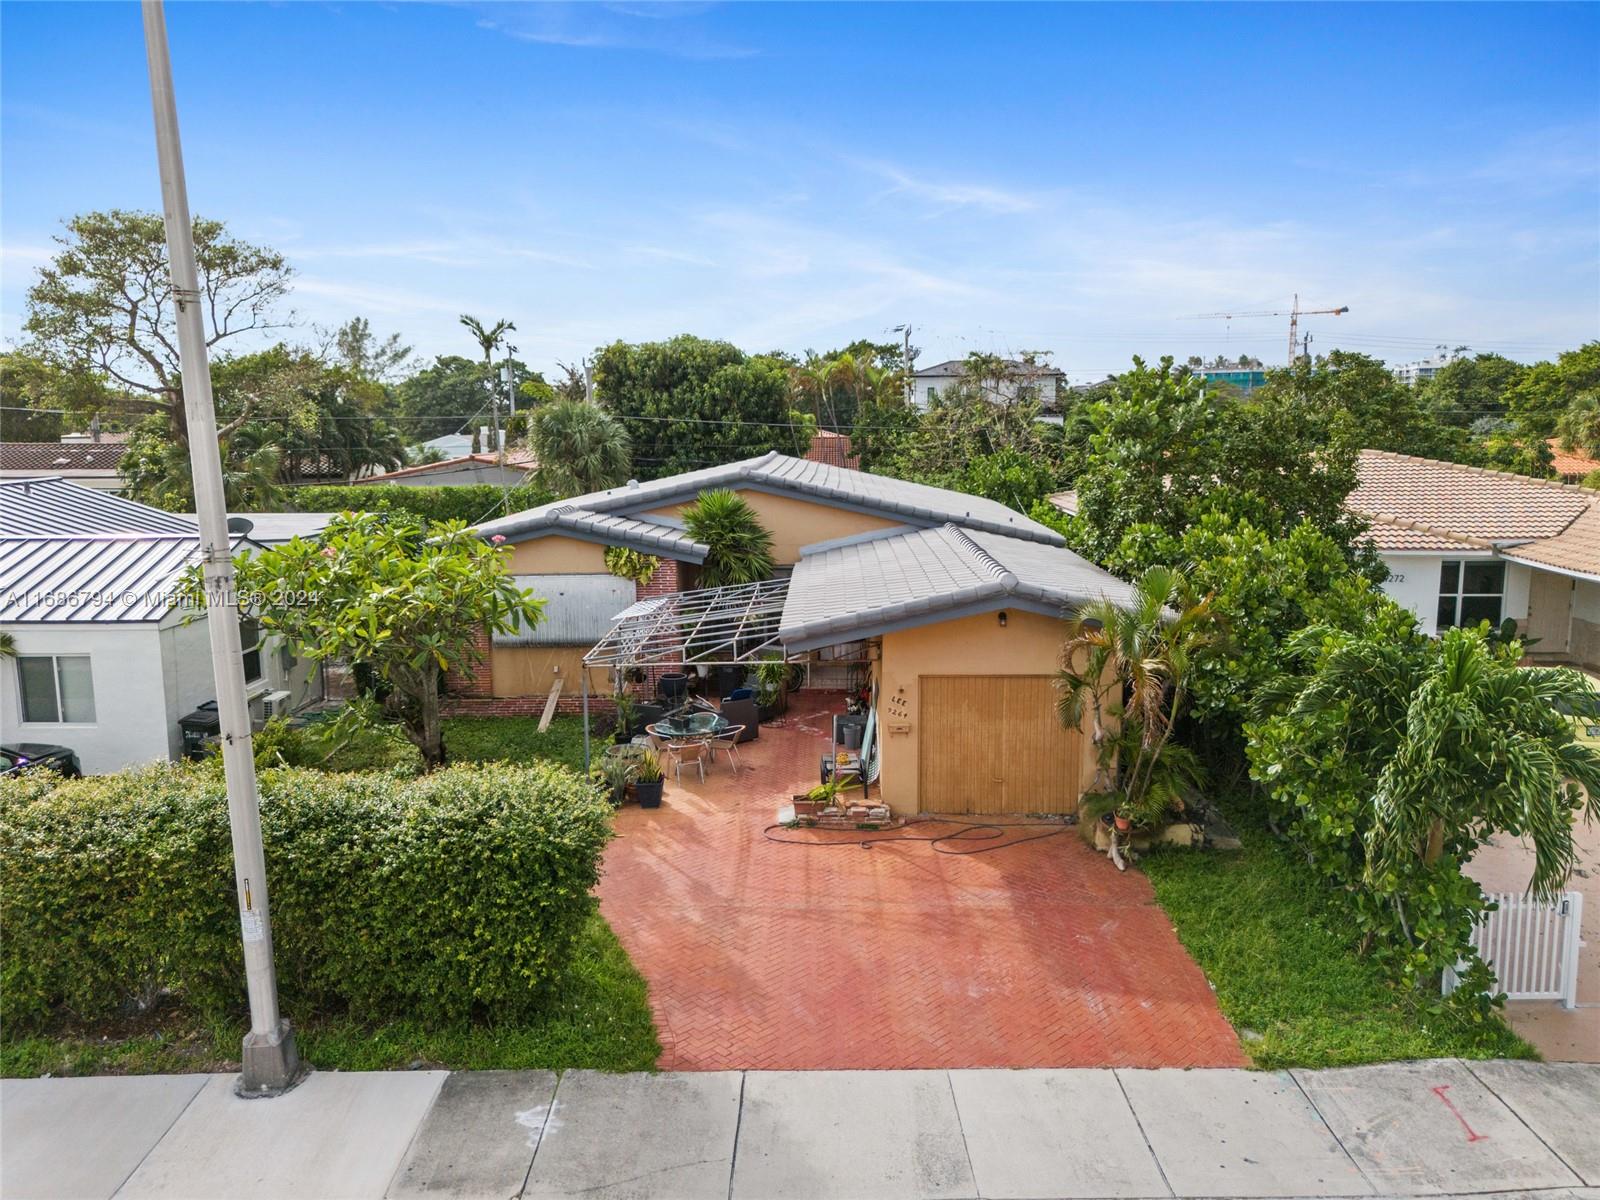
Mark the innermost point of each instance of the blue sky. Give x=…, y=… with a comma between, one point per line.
x=1073, y=178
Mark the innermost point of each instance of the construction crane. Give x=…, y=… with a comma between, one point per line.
x=1294, y=314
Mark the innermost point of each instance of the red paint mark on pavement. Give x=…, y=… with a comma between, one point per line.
x=1472, y=1135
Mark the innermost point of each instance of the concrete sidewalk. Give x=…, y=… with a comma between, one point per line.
x=1403, y=1129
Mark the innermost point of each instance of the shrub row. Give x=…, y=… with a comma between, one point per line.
x=459, y=894
x=472, y=502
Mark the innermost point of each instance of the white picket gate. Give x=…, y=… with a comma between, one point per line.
x=1531, y=946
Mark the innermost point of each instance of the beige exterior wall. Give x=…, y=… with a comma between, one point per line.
x=558, y=556
x=1028, y=644
x=531, y=670
x=794, y=523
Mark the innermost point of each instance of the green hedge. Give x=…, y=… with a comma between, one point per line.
x=470, y=502
x=455, y=895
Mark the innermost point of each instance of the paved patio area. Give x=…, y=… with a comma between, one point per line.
x=768, y=956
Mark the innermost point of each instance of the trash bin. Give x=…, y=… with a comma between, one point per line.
x=848, y=731
x=199, y=727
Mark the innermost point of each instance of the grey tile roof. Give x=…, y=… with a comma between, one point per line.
x=97, y=580
x=917, y=503
x=861, y=589
x=954, y=368
x=58, y=506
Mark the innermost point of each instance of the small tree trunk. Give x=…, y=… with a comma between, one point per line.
x=431, y=742
x=1435, y=850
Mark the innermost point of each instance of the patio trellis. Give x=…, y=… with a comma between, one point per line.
x=705, y=627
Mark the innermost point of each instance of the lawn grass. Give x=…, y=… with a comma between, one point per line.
x=517, y=740
x=597, y=1017
x=1287, y=977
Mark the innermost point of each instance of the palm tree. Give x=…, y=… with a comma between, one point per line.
x=740, y=546
x=579, y=447
x=1130, y=664
x=1579, y=426
x=489, y=337
x=8, y=645
x=1459, y=742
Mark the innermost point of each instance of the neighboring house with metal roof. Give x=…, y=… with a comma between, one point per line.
x=95, y=465
x=1042, y=381
x=1465, y=544
x=946, y=606
x=107, y=659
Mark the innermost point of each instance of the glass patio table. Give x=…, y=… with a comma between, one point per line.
x=699, y=724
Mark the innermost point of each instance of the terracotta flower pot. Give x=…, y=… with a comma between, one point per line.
x=1122, y=823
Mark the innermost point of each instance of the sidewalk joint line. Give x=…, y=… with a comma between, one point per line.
x=738, y=1123
x=152, y=1148
x=1554, y=1153
x=961, y=1125
x=400, y=1162
x=1116, y=1074
x=543, y=1125
x=1337, y=1140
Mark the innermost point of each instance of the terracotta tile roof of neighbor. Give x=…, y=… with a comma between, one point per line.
x=834, y=449
x=517, y=460
x=57, y=458
x=1571, y=465
x=1424, y=504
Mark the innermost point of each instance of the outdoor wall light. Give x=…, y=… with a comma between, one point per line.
x=1002, y=620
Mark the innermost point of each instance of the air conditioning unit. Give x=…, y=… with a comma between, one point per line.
x=274, y=704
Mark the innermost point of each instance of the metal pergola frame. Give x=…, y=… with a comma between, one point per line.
x=704, y=627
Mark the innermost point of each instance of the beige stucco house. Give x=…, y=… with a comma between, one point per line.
x=947, y=606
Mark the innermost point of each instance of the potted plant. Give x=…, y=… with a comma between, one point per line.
x=625, y=717
x=772, y=687
x=614, y=773
x=648, y=779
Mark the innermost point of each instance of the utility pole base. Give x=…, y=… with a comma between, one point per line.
x=271, y=1064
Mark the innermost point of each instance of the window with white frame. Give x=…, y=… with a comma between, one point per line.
x=250, y=642
x=1471, y=591
x=56, y=689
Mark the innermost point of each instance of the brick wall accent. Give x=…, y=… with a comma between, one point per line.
x=478, y=680
x=668, y=578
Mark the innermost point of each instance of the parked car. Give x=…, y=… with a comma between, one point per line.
x=20, y=756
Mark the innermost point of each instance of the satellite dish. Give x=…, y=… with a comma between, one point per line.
x=241, y=525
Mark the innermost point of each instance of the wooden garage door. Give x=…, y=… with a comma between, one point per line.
x=992, y=744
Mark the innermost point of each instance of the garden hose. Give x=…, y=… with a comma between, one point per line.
x=969, y=831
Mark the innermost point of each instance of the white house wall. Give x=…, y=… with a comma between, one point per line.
x=1585, y=645
x=125, y=663
x=186, y=669
x=1414, y=583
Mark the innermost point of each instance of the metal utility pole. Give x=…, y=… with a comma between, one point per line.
x=271, y=1063
x=905, y=357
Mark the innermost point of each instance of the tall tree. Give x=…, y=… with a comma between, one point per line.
x=1549, y=388
x=449, y=395
x=690, y=403
x=365, y=356
x=38, y=399
x=1469, y=388
x=104, y=304
x=489, y=339
x=579, y=447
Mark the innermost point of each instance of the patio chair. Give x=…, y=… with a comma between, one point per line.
x=682, y=753
x=728, y=742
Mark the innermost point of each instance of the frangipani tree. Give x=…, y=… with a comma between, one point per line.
x=1128, y=667
x=385, y=589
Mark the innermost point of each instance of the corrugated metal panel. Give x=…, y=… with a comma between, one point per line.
x=56, y=507
x=103, y=580
x=578, y=610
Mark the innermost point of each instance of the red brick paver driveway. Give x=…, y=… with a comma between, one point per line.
x=772, y=956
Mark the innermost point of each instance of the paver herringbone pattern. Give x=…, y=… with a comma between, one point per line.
x=768, y=956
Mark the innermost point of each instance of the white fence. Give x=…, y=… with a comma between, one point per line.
x=1532, y=947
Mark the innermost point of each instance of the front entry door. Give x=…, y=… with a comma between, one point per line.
x=1549, y=612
